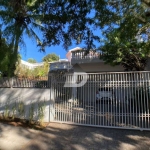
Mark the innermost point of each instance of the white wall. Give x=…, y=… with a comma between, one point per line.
x=28, y=96
x=97, y=67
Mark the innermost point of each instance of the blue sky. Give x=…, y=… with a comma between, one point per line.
x=31, y=51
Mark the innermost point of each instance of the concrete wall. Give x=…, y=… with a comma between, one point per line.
x=28, y=96
x=97, y=67
x=102, y=67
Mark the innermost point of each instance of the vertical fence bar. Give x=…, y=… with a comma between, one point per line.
x=125, y=114
x=61, y=95
x=77, y=101
x=148, y=101
x=133, y=100
x=138, y=104
x=131, y=118
x=127, y=111
x=110, y=101
x=118, y=98
x=145, y=85
x=114, y=102
x=100, y=110
x=124, y=100
x=56, y=99
x=84, y=104
x=143, y=100
x=102, y=102
x=89, y=103
x=94, y=86
x=136, y=98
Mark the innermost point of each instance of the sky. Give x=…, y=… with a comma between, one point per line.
x=31, y=50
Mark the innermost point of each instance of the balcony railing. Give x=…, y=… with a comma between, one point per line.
x=60, y=65
x=83, y=56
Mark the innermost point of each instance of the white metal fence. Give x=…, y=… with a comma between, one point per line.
x=116, y=100
x=30, y=82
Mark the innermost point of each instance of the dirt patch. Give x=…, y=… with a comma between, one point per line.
x=24, y=123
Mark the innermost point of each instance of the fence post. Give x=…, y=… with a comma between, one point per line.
x=52, y=99
x=11, y=84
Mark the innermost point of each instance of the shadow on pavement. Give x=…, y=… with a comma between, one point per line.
x=70, y=137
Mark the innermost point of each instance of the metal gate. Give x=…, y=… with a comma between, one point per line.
x=116, y=100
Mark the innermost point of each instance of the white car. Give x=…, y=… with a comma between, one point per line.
x=104, y=94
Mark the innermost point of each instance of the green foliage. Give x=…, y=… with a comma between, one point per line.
x=31, y=60
x=41, y=111
x=21, y=109
x=31, y=112
x=131, y=16
x=38, y=71
x=70, y=22
x=126, y=35
x=57, y=21
x=14, y=109
x=129, y=53
x=50, y=57
x=8, y=58
x=6, y=111
x=18, y=110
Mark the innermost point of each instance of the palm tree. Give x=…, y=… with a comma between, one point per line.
x=20, y=17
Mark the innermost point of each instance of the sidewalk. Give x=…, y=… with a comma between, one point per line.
x=69, y=137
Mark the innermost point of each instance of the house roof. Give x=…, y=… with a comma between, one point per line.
x=31, y=64
x=71, y=50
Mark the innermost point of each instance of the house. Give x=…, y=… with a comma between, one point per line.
x=61, y=64
x=103, y=76
x=108, y=97
x=80, y=61
x=31, y=66
x=90, y=62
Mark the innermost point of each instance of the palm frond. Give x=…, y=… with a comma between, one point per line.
x=30, y=32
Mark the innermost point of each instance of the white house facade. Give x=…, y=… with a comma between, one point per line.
x=28, y=65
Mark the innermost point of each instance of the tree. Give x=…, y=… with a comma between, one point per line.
x=69, y=21
x=38, y=71
x=31, y=60
x=132, y=55
x=126, y=30
x=131, y=16
x=57, y=21
x=18, y=18
x=50, y=57
x=8, y=59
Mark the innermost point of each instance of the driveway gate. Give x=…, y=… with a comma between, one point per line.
x=115, y=100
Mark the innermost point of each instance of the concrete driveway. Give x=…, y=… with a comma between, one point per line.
x=69, y=137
